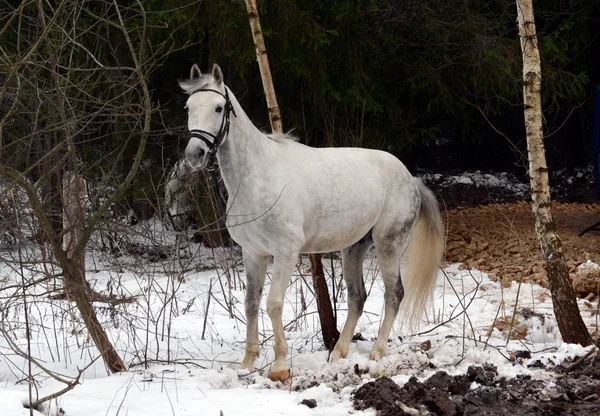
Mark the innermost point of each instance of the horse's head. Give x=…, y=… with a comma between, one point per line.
x=209, y=112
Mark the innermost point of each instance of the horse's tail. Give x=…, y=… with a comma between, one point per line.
x=424, y=258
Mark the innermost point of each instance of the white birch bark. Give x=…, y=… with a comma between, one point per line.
x=265, y=70
x=571, y=325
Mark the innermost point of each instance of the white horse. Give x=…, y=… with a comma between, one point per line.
x=286, y=198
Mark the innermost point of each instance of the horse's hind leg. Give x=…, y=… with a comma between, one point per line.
x=391, y=238
x=394, y=292
x=352, y=263
x=256, y=269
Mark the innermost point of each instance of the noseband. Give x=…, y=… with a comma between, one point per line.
x=220, y=137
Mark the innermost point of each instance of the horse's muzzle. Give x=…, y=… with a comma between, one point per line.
x=195, y=157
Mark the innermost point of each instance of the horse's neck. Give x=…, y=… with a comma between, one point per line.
x=240, y=153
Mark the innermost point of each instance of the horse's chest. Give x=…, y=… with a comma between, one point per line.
x=265, y=228
x=253, y=236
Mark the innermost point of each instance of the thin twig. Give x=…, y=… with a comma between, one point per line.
x=206, y=310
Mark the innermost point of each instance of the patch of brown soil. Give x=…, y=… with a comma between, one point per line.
x=500, y=240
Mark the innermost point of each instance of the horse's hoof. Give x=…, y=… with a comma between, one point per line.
x=377, y=354
x=336, y=355
x=279, y=375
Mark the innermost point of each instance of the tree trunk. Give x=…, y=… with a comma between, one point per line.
x=77, y=290
x=76, y=285
x=263, y=64
x=73, y=188
x=328, y=323
x=326, y=316
x=570, y=323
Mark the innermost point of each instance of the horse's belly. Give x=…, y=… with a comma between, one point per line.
x=343, y=218
x=334, y=243
x=324, y=239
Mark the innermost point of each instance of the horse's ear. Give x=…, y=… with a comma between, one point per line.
x=195, y=72
x=217, y=74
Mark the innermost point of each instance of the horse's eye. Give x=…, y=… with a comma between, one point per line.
x=219, y=109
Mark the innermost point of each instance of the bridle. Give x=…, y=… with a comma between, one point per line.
x=221, y=136
x=217, y=140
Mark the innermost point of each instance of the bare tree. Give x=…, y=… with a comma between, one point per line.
x=71, y=93
x=570, y=323
x=327, y=318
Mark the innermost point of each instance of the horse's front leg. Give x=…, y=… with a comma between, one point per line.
x=283, y=267
x=256, y=269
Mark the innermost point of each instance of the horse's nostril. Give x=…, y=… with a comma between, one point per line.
x=201, y=153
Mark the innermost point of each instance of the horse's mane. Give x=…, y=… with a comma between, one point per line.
x=190, y=86
x=282, y=137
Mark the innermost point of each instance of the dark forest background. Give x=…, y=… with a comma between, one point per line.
x=436, y=82
x=432, y=81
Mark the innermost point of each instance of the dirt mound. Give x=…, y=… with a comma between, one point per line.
x=481, y=392
x=490, y=225
x=500, y=240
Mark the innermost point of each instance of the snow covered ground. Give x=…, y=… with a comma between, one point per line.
x=174, y=370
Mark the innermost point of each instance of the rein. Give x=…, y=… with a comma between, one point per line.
x=217, y=140
x=220, y=199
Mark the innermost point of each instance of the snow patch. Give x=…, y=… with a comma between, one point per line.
x=188, y=372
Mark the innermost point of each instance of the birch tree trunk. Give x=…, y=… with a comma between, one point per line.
x=326, y=316
x=570, y=323
x=263, y=64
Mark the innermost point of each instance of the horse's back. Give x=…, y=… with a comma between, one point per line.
x=348, y=167
x=344, y=191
